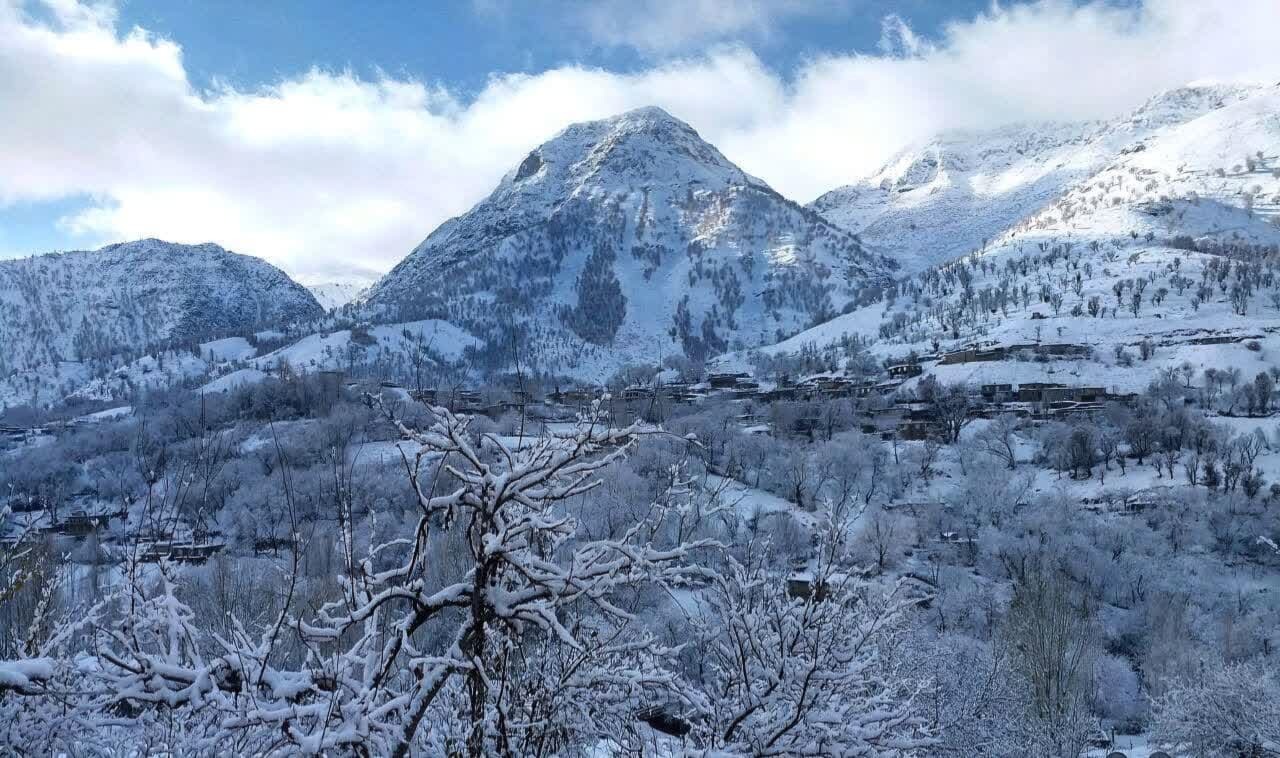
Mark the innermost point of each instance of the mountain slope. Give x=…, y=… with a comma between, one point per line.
x=954, y=194
x=623, y=240
x=89, y=305
x=1215, y=175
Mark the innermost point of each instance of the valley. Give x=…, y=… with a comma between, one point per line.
x=988, y=440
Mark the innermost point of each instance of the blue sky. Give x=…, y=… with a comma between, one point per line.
x=462, y=42
x=329, y=137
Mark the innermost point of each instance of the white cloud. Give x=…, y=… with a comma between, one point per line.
x=898, y=39
x=329, y=172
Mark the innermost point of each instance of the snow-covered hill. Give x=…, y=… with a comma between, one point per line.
x=439, y=342
x=622, y=240
x=1172, y=242
x=425, y=351
x=60, y=313
x=954, y=194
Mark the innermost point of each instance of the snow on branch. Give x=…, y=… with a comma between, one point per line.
x=407, y=659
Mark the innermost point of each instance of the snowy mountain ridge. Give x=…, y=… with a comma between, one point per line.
x=953, y=194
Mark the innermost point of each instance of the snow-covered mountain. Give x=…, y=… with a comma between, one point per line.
x=1167, y=251
x=628, y=239
x=64, y=310
x=632, y=240
x=332, y=295
x=952, y=195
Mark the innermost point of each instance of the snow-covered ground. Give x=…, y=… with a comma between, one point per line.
x=335, y=350
x=109, y=414
x=229, y=349
x=750, y=502
x=234, y=379
x=1131, y=746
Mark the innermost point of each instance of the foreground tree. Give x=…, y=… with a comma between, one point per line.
x=525, y=649
x=494, y=626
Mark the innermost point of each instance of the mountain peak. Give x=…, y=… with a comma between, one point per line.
x=647, y=115
x=647, y=119
x=650, y=120
x=642, y=147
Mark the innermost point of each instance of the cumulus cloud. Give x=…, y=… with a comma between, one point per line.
x=330, y=173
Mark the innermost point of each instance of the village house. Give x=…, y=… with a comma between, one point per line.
x=728, y=381
x=905, y=370
x=976, y=354
x=997, y=393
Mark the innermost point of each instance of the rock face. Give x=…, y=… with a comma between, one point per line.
x=88, y=305
x=623, y=240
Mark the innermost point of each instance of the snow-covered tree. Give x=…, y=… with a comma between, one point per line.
x=528, y=648
x=1227, y=710
x=811, y=672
